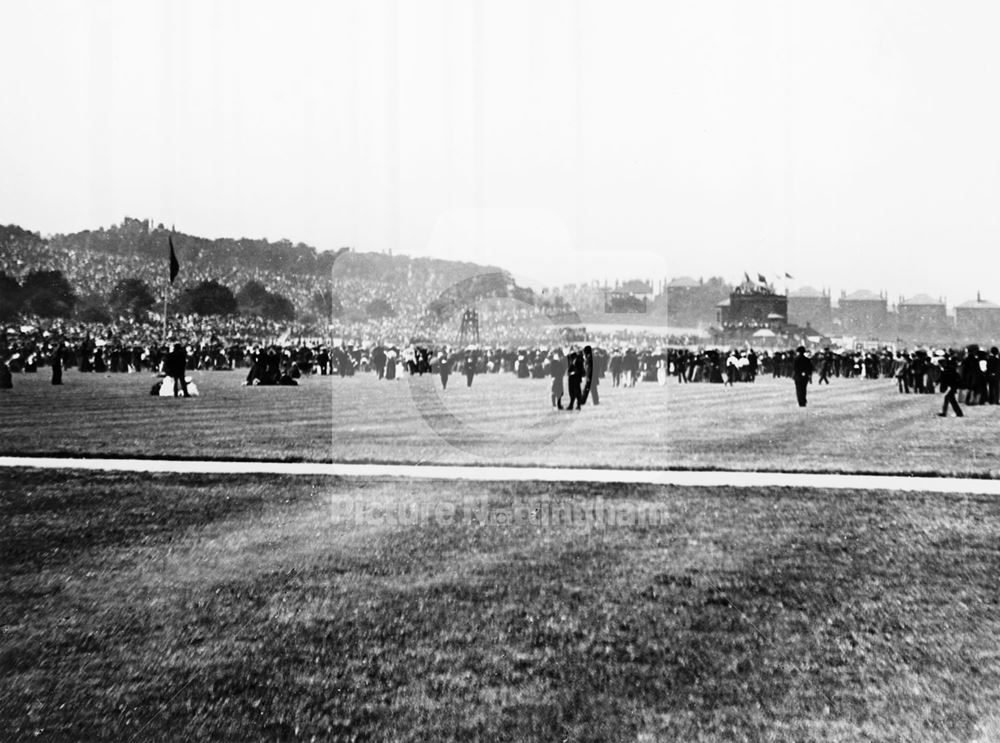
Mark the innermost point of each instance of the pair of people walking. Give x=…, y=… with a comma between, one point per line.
x=582, y=377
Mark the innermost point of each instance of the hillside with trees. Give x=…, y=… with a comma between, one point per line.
x=122, y=272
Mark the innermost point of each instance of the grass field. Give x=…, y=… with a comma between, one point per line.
x=152, y=607
x=851, y=426
x=288, y=608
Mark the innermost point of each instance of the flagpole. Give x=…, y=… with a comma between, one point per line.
x=165, y=290
x=174, y=267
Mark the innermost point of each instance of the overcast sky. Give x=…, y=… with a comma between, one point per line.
x=851, y=144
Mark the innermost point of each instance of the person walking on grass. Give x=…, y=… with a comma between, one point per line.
x=825, y=367
x=444, y=368
x=557, y=369
x=6, y=380
x=951, y=381
x=993, y=376
x=591, y=377
x=574, y=377
x=802, y=370
x=57, y=363
x=469, y=367
x=175, y=366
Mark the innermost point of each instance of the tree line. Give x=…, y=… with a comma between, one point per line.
x=49, y=294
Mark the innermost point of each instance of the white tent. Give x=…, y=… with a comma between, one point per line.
x=764, y=333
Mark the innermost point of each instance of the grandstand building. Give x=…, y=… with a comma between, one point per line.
x=923, y=315
x=978, y=319
x=752, y=306
x=807, y=306
x=864, y=313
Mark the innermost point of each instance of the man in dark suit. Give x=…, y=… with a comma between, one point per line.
x=6, y=381
x=469, y=367
x=753, y=366
x=951, y=381
x=802, y=370
x=993, y=376
x=826, y=366
x=444, y=368
x=175, y=365
x=591, y=376
x=574, y=377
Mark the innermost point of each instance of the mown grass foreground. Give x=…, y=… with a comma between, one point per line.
x=854, y=425
x=193, y=607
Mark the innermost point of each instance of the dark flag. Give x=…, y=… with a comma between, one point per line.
x=789, y=276
x=761, y=278
x=174, y=265
x=746, y=276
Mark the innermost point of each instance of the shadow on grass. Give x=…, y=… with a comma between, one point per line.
x=777, y=615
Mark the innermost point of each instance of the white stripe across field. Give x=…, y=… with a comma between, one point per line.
x=687, y=478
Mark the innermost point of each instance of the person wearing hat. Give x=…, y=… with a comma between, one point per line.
x=175, y=365
x=591, y=376
x=993, y=376
x=557, y=369
x=57, y=363
x=971, y=375
x=470, y=366
x=802, y=370
x=826, y=366
x=615, y=367
x=444, y=368
x=574, y=377
x=951, y=381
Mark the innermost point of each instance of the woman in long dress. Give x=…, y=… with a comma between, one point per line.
x=57, y=363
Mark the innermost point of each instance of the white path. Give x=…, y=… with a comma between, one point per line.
x=713, y=478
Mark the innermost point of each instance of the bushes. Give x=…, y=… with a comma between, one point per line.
x=44, y=293
x=255, y=299
x=131, y=298
x=209, y=298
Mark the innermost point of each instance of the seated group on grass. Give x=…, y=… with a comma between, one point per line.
x=269, y=369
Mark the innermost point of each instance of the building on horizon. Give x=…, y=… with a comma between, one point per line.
x=629, y=297
x=753, y=306
x=978, y=320
x=808, y=306
x=692, y=303
x=923, y=316
x=864, y=313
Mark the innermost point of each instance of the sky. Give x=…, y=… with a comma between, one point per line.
x=853, y=145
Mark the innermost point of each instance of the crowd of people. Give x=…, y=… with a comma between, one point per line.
x=365, y=298
x=272, y=356
x=415, y=331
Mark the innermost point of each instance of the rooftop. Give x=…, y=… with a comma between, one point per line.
x=683, y=282
x=921, y=299
x=807, y=291
x=863, y=295
x=978, y=304
x=636, y=287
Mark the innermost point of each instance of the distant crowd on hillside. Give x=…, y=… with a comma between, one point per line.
x=367, y=297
